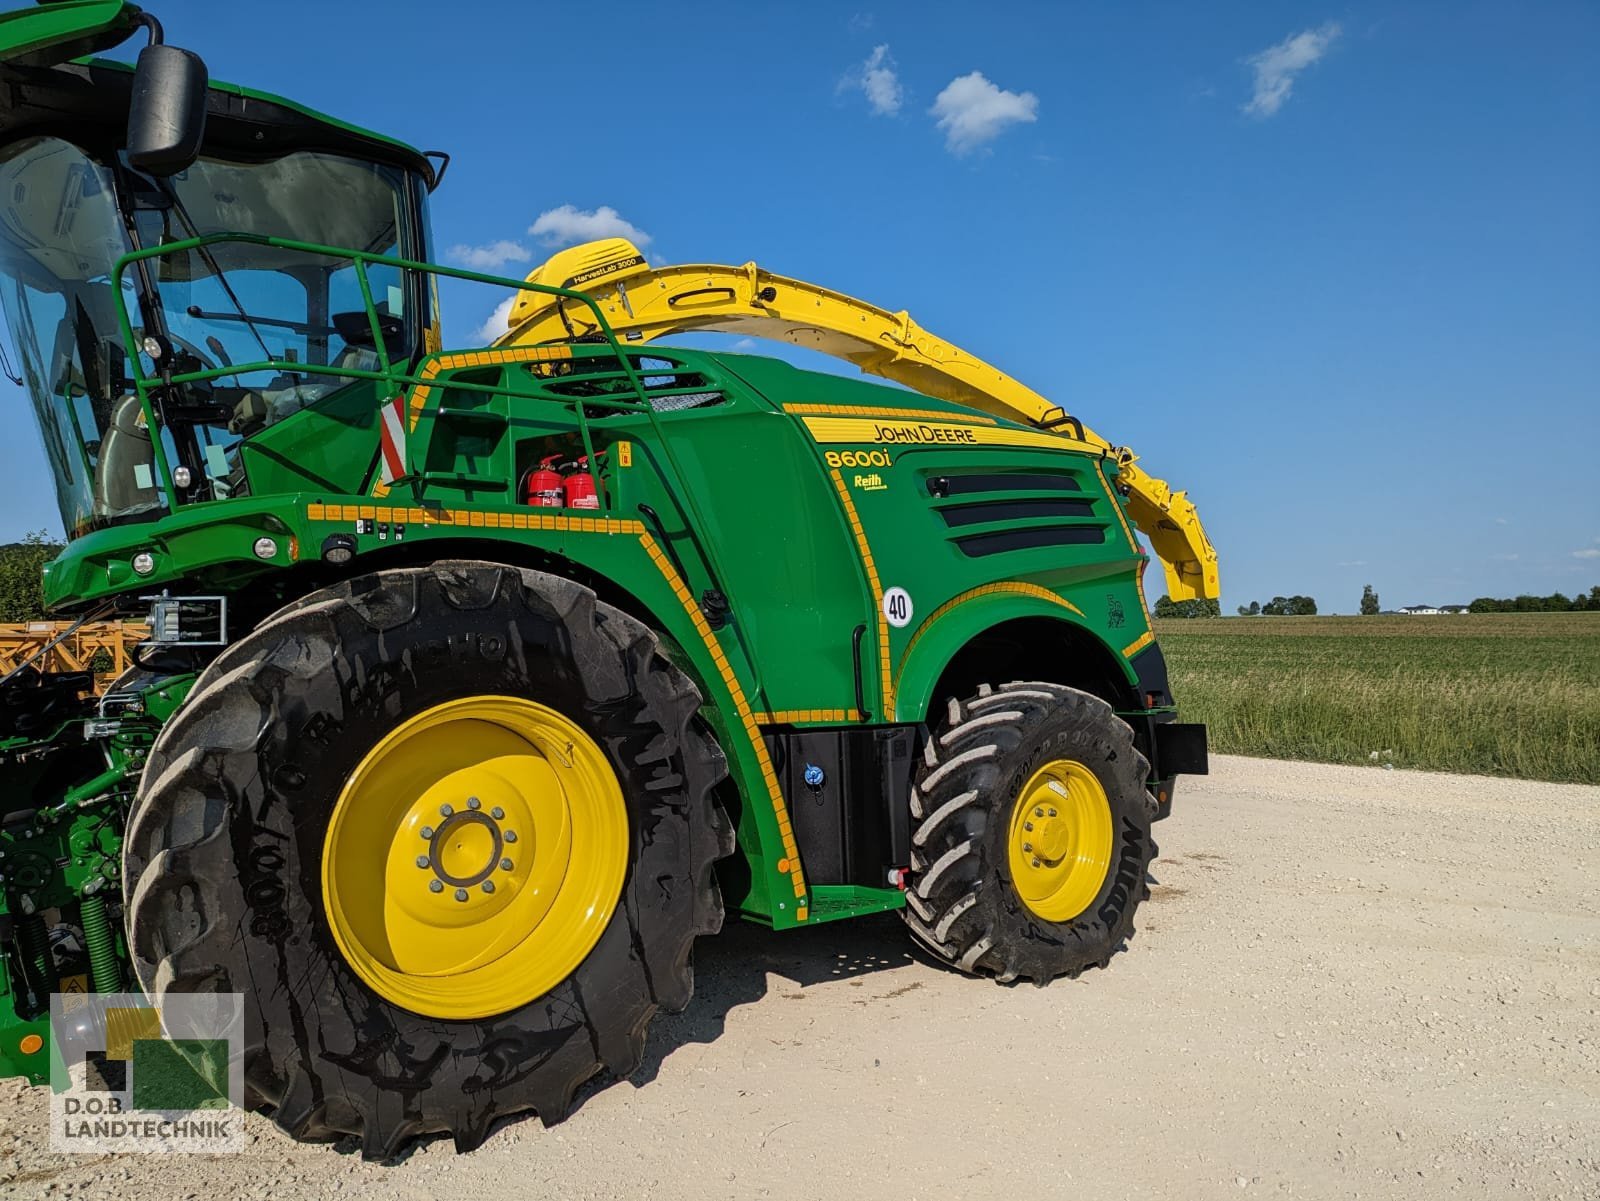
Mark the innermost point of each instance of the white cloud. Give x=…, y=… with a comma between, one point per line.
x=1588, y=552
x=1277, y=66
x=498, y=322
x=744, y=344
x=491, y=257
x=1501, y=521
x=876, y=79
x=569, y=225
x=972, y=111
x=1511, y=558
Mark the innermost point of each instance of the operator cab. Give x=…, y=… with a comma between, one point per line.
x=72, y=204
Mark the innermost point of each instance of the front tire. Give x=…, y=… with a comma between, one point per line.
x=468, y=677
x=1031, y=834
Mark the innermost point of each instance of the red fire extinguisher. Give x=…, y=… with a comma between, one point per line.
x=579, y=485
x=543, y=487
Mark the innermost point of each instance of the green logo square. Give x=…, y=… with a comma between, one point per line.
x=186, y=1073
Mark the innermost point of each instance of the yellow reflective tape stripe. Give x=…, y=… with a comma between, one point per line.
x=873, y=584
x=1138, y=644
x=791, y=851
x=797, y=716
x=885, y=414
x=889, y=432
x=1011, y=587
x=491, y=519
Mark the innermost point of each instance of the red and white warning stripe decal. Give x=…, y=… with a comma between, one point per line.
x=392, y=437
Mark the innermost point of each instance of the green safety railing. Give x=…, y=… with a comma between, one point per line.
x=399, y=376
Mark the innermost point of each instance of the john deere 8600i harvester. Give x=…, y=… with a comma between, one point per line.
x=483, y=680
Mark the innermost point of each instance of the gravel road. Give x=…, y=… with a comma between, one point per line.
x=1347, y=982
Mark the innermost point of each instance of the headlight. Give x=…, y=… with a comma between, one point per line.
x=144, y=562
x=266, y=548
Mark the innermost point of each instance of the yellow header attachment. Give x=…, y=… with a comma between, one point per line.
x=642, y=302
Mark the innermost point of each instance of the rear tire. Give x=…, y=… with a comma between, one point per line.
x=223, y=858
x=964, y=903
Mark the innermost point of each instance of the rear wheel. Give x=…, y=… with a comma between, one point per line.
x=1031, y=833
x=450, y=831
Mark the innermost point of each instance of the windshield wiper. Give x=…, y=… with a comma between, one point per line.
x=298, y=327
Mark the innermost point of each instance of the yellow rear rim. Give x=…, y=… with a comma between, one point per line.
x=1059, y=844
x=474, y=857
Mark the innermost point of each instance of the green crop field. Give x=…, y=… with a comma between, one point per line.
x=1511, y=694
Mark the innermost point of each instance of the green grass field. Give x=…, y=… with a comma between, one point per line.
x=1508, y=694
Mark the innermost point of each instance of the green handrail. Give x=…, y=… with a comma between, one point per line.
x=360, y=259
x=682, y=497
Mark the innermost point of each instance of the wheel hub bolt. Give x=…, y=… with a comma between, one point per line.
x=446, y=810
x=436, y=885
x=1035, y=863
x=1027, y=846
x=488, y=886
x=1052, y=813
x=505, y=865
x=497, y=813
x=1038, y=812
x=426, y=831
x=1027, y=825
x=422, y=861
x=474, y=803
x=511, y=836
x=461, y=894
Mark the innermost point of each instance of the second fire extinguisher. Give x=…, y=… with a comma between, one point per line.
x=579, y=485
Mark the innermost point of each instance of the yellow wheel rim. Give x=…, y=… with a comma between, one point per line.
x=474, y=857
x=1059, y=844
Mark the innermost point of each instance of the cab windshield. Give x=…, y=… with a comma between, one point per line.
x=65, y=219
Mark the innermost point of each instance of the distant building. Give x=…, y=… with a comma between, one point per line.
x=1420, y=610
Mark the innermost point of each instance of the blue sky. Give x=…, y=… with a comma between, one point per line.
x=1335, y=269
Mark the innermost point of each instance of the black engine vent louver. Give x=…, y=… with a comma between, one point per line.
x=1043, y=508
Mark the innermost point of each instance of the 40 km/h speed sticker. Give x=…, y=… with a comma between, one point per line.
x=897, y=607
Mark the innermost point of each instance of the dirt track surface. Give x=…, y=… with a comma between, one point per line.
x=1347, y=982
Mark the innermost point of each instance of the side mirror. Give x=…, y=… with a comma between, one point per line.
x=167, y=110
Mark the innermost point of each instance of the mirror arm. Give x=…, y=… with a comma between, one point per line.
x=148, y=22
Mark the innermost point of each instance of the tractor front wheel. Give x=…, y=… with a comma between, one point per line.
x=1031, y=833
x=451, y=833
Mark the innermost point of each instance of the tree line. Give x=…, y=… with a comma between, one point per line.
x=1556, y=602
x=1281, y=606
x=1278, y=606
